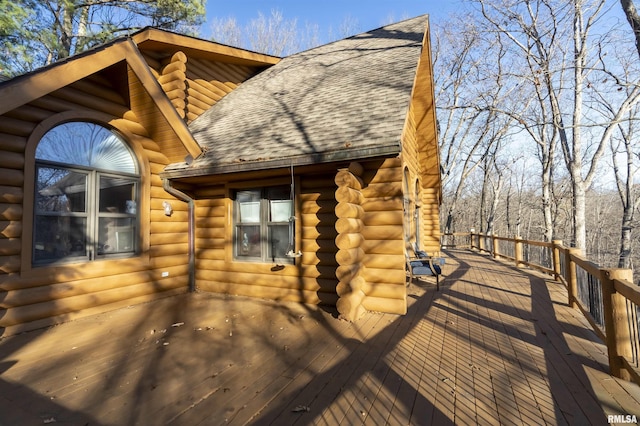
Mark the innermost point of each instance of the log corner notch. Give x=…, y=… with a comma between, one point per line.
x=350, y=255
x=174, y=82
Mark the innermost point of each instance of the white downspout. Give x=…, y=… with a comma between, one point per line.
x=166, y=184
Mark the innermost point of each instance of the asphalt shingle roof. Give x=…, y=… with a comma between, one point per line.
x=335, y=101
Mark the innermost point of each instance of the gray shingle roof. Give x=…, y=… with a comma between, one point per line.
x=343, y=100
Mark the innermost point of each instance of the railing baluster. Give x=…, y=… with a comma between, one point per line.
x=518, y=251
x=616, y=319
x=590, y=289
x=571, y=277
x=556, y=259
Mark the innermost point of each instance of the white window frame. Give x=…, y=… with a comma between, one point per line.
x=260, y=211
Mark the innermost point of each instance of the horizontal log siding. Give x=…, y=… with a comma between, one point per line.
x=410, y=154
x=384, y=261
x=311, y=280
x=45, y=296
x=430, y=223
x=195, y=84
x=209, y=81
x=14, y=129
x=421, y=164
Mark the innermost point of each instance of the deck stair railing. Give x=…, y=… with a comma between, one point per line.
x=607, y=297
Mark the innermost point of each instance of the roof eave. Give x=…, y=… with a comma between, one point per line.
x=153, y=36
x=23, y=89
x=178, y=171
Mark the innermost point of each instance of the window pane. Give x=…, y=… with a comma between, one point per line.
x=247, y=196
x=279, y=193
x=116, y=235
x=250, y=212
x=86, y=144
x=57, y=238
x=279, y=241
x=117, y=195
x=280, y=210
x=248, y=241
x=262, y=223
x=249, y=206
x=60, y=190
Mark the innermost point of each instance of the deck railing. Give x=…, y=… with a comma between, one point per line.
x=606, y=297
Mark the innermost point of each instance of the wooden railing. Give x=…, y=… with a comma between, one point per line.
x=606, y=297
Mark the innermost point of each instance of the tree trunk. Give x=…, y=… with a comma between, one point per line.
x=547, y=210
x=579, y=212
x=624, y=261
x=66, y=31
x=497, y=189
x=634, y=20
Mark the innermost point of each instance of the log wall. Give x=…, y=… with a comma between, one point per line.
x=349, y=230
x=310, y=280
x=350, y=241
x=32, y=297
x=413, y=157
x=383, y=232
x=195, y=84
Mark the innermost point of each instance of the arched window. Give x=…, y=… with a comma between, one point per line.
x=86, y=195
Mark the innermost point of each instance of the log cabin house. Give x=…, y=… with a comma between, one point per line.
x=160, y=163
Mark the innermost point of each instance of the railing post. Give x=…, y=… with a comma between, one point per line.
x=471, y=237
x=616, y=321
x=571, y=276
x=480, y=243
x=557, y=271
x=518, y=250
x=495, y=244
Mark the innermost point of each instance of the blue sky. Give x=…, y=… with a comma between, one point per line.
x=330, y=14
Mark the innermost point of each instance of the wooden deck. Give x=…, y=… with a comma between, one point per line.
x=495, y=346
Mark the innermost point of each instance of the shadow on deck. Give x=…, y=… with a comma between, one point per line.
x=496, y=345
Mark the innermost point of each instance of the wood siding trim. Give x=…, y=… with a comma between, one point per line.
x=421, y=155
x=162, y=104
x=153, y=39
x=424, y=112
x=25, y=89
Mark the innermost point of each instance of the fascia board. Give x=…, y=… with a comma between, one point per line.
x=208, y=48
x=141, y=69
x=22, y=90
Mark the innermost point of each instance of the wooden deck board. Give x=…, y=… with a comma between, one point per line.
x=496, y=345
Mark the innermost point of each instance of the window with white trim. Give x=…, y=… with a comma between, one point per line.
x=86, y=195
x=263, y=220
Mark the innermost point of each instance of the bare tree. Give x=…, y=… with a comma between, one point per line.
x=467, y=90
x=348, y=26
x=493, y=182
x=625, y=155
x=271, y=34
x=555, y=38
x=536, y=42
x=633, y=18
x=517, y=186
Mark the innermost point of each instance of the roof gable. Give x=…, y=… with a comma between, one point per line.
x=341, y=101
x=165, y=119
x=151, y=105
x=26, y=88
